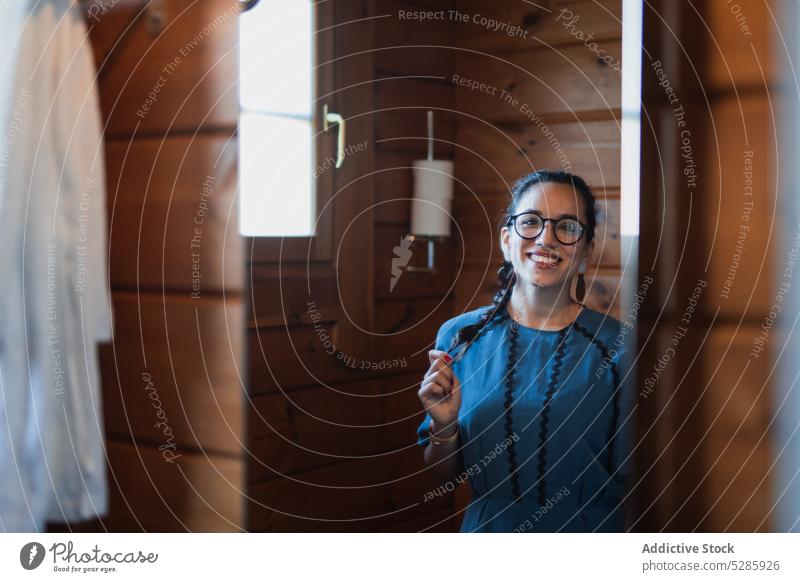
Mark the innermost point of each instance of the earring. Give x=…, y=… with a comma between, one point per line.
x=580, y=285
x=505, y=269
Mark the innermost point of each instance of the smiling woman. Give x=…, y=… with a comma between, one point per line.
x=526, y=370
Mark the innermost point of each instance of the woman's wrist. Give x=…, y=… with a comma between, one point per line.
x=446, y=432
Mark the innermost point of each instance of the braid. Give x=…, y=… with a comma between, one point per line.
x=506, y=278
x=505, y=274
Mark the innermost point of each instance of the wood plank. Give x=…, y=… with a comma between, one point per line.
x=737, y=498
x=409, y=93
x=543, y=83
x=292, y=294
x=547, y=23
x=303, y=355
x=735, y=391
x=423, y=48
x=361, y=495
x=313, y=427
x=403, y=410
x=740, y=208
x=187, y=379
x=194, y=492
x=173, y=214
x=492, y=158
x=408, y=59
x=407, y=328
x=740, y=45
x=183, y=79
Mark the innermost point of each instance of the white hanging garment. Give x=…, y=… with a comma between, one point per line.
x=55, y=305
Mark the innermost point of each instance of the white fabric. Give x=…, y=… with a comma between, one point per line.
x=55, y=303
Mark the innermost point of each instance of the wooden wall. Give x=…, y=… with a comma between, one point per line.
x=738, y=199
x=172, y=384
x=706, y=445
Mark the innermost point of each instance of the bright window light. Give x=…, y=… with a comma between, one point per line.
x=276, y=137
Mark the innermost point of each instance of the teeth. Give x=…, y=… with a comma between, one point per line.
x=541, y=259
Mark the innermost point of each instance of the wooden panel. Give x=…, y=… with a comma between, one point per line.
x=403, y=411
x=194, y=492
x=413, y=93
x=187, y=380
x=302, y=355
x=735, y=390
x=408, y=328
x=361, y=495
x=313, y=427
x=392, y=30
x=182, y=79
x=547, y=22
x=476, y=286
x=174, y=222
x=411, y=57
x=434, y=63
x=740, y=44
x=741, y=219
x=603, y=291
x=493, y=158
x=283, y=295
x=607, y=235
x=737, y=498
x=547, y=83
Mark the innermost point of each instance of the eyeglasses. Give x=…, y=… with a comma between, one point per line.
x=530, y=225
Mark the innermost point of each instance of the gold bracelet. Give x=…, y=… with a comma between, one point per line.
x=439, y=441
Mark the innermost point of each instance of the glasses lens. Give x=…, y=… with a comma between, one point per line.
x=568, y=231
x=529, y=225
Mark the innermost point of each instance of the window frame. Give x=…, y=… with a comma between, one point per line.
x=318, y=246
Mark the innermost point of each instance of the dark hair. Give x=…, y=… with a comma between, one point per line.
x=505, y=274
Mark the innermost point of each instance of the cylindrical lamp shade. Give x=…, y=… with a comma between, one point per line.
x=433, y=197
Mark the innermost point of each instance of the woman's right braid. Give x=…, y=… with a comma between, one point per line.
x=506, y=278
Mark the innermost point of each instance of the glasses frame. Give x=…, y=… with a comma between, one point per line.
x=513, y=220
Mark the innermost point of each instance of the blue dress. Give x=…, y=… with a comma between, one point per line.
x=546, y=448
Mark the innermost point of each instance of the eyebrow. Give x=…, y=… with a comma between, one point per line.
x=557, y=217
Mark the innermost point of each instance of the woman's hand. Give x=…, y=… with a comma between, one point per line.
x=441, y=391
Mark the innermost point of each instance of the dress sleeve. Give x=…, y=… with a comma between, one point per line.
x=443, y=338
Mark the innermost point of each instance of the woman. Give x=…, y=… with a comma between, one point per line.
x=526, y=397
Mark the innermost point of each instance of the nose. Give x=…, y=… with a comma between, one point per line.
x=548, y=235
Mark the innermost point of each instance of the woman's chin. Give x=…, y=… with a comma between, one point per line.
x=541, y=278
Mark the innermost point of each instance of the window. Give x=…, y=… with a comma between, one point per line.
x=277, y=151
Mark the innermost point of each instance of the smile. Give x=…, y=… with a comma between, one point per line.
x=544, y=260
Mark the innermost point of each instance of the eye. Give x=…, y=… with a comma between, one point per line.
x=531, y=220
x=569, y=226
